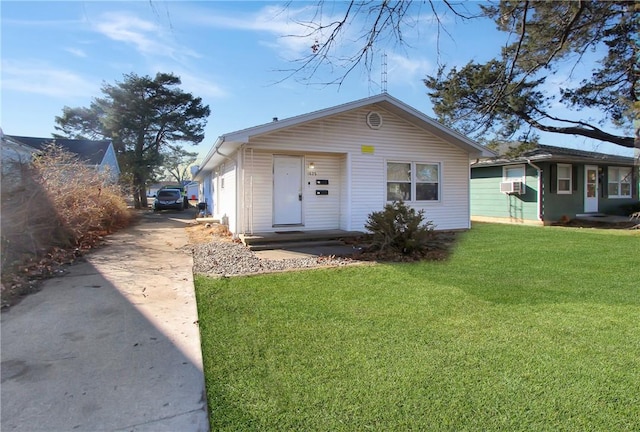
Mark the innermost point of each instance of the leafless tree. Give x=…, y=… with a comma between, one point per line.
x=380, y=22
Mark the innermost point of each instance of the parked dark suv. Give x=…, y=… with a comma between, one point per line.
x=168, y=199
x=183, y=192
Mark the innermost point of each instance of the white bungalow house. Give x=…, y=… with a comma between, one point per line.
x=329, y=169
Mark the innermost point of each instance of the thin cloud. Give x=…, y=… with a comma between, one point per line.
x=405, y=70
x=287, y=31
x=76, y=52
x=192, y=81
x=41, y=78
x=287, y=26
x=146, y=37
x=201, y=87
x=43, y=24
x=272, y=19
x=129, y=29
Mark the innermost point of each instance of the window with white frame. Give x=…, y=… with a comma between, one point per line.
x=513, y=173
x=413, y=181
x=619, y=179
x=564, y=180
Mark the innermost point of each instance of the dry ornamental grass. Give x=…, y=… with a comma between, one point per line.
x=205, y=233
x=53, y=209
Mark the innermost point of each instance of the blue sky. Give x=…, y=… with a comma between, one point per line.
x=231, y=54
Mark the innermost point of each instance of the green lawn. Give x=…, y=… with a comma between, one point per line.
x=522, y=329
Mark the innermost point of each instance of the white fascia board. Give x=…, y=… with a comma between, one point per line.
x=245, y=134
x=218, y=154
x=230, y=142
x=214, y=157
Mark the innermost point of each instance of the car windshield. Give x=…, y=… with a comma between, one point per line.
x=169, y=194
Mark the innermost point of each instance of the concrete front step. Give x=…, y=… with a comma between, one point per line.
x=299, y=236
x=293, y=244
x=210, y=220
x=594, y=214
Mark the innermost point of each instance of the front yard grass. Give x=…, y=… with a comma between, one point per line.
x=523, y=328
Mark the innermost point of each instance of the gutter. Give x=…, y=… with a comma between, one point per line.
x=209, y=155
x=540, y=186
x=217, y=150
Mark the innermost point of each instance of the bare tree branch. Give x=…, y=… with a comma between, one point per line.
x=384, y=21
x=583, y=129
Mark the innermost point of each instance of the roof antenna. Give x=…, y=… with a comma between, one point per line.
x=383, y=78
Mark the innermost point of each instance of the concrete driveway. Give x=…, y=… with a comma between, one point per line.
x=114, y=344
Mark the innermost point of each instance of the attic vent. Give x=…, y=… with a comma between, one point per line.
x=374, y=120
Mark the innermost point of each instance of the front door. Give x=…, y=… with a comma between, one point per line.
x=287, y=190
x=590, y=189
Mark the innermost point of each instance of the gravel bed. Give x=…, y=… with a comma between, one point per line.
x=222, y=258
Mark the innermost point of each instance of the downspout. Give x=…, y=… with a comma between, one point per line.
x=540, y=186
x=252, y=172
x=244, y=202
x=349, y=194
x=239, y=193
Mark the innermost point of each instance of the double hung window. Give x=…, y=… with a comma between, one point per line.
x=413, y=181
x=619, y=183
x=513, y=173
x=564, y=180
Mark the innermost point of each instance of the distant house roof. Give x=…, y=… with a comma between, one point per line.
x=13, y=150
x=90, y=151
x=557, y=154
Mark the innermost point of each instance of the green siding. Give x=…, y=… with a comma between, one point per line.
x=554, y=205
x=488, y=201
x=557, y=205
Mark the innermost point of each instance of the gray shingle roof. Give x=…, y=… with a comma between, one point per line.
x=557, y=154
x=90, y=151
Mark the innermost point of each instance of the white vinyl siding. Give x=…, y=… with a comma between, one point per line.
x=345, y=193
x=398, y=140
x=206, y=192
x=225, y=194
x=352, y=157
x=319, y=211
x=341, y=138
x=258, y=185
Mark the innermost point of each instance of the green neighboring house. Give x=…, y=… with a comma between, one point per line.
x=547, y=184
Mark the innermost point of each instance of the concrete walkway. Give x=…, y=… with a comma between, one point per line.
x=113, y=345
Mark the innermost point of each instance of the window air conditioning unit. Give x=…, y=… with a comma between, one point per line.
x=512, y=187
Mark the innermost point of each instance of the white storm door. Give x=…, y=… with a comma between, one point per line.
x=590, y=189
x=287, y=190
